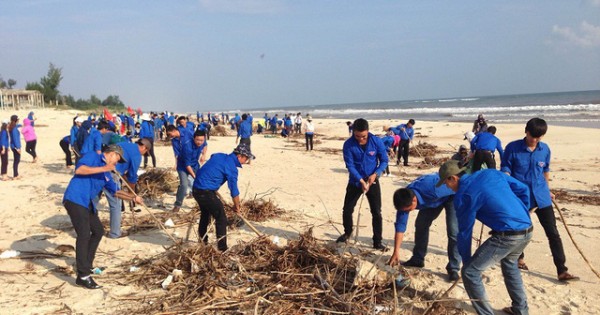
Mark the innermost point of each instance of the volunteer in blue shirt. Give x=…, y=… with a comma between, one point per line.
x=15, y=144
x=220, y=168
x=4, y=147
x=132, y=153
x=483, y=146
x=92, y=174
x=65, y=143
x=528, y=161
x=93, y=142
x=205, y=127
x=388, y=143
x=407, y=132
x=366, y=158
x=158, y=126
x=423, y=195
x=147, y=132
x=273, y=123
x=244, y=130
x=195, y=153
x=180, y=138
x=501, y=203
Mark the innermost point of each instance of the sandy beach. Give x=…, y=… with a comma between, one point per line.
x=311, y=187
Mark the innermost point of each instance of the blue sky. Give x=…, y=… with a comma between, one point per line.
x=213, y=55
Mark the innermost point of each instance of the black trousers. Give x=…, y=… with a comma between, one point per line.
x=403, y=150
x=151, y=153
x=89, y=231
x=246, y=141
x=16, y=161
x=353, y=193
x=211, y=206
x=4, y=158
x=30, y=148
x=309, y=141
x=64, y=145
x=548, y=222
x=483, y=156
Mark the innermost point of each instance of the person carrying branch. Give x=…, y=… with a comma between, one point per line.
x=220, y=168
x=92, y=174
x=528, y=160
x=366, y=158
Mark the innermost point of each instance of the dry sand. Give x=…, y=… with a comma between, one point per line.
x=309, y=184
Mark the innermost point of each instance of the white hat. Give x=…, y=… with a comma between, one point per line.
x=79, y=119
x=5, y=121
x=145, y=116
x=469, y=135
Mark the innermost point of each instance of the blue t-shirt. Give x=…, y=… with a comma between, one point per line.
x=528, y=167
x=408, y=132
x=245, y=129
x=487, y=141
x=82, y=189
x=93, y=142
x=15, y=138
x=220, y=168
x=495, y=199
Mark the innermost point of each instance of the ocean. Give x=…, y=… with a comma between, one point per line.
x=578, y=108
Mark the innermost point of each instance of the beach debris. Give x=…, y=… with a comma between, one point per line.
x=10, y=253
x=169, y=223
x=134, y=269
x=257, y=209
x=219, y=131
x=259, y=277
x=156, y=182
x=64, y=248
x=565, y=196
x=424, y=149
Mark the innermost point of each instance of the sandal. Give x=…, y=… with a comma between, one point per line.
x=567, y=277
x=508, y=310
x=523, y=265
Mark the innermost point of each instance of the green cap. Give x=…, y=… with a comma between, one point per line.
x=451, y=167
x=117, y=149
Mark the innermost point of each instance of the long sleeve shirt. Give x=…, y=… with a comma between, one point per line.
x=82, y=189
x=428, y=197
x=528, y=166
x=146, y=130
x=488, y=142
x=494, y=198
x=179, y=144
x=407, y=134
x=93, y=142
x=15, y=138
x=245, y=129
x=362, y=162
x=192, y=154
x=73, y=135
x=4, y=139
x=220, y=168
x=132, y=155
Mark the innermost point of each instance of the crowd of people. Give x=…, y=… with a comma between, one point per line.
x=109, y=150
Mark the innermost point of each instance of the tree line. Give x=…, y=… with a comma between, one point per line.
x=48, y=85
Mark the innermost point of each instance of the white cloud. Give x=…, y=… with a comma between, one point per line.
x=243, y=6
x=588, y=34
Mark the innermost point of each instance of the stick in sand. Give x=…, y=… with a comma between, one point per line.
x=562, y=218
x=146, y=208
x=358, y=218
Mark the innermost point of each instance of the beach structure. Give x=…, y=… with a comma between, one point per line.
x=20, y=99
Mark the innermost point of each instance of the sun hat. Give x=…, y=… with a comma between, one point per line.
x=451, y=167
x=244, y=149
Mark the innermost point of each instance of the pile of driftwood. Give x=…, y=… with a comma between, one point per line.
x=156, y=182
x=259, y=277
x=424, y=149
x=139, y=222
x=219, y=131
x=563, y=195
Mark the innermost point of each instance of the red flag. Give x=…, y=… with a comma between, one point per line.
x=130, y=111
x=139, y=110
x=107, y=115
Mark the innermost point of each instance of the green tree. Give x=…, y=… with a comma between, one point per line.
x=34, y=86
x=51, y=82
x=95, y=100
x=113, y=101
x=11, y=83
x=2, y=83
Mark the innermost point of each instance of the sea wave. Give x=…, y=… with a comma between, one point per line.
x=461, y=110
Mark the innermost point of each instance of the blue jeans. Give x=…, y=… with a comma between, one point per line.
x=185, y=187
x=424, y=219
x=115, y=207
x=503, y=249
